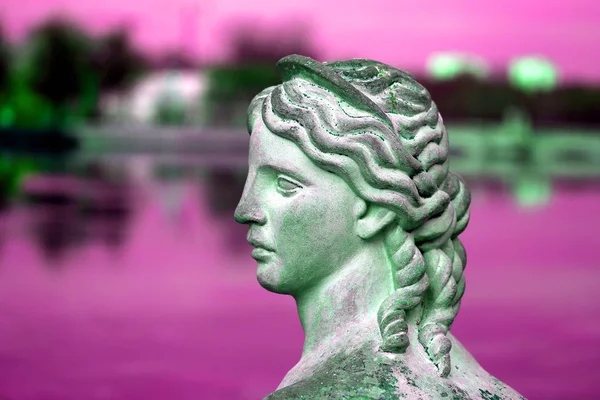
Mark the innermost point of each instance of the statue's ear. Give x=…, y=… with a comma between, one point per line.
x=372, y=219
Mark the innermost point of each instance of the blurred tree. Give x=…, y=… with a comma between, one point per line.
x=252, y=67
x=174, y=60
x=58, y=66
x=248, y=45
x=533, y=74
x=7, y=114
x=116, y=61
x=450, y=65
x=5, y=60
x=20, y=106
x=116, y=65
x=466, y=98
x=170, y=110
x=13, y=168
x=26, y=109
x=579, y=105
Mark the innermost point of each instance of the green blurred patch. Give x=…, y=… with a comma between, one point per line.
x=13, y=171
x=232, y=87
x=533, y=74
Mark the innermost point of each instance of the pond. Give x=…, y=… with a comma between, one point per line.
x=146, y=290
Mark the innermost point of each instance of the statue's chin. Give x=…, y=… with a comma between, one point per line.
x=270, y=284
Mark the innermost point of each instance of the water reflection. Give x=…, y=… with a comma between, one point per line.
x=94, y=202
x=74, y=206
x=66, y=211
x=224, y=190
x=168, y=319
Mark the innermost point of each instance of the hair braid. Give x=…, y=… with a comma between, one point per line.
x=444, y=266
x=410, y=282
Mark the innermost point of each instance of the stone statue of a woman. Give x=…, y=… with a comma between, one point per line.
x=352, y=211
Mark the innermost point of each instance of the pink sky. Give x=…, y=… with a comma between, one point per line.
x=402, y=33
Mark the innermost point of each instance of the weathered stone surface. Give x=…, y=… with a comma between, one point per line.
x=353, y=211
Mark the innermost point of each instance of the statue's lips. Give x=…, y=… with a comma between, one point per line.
x=259, y=244
x=259, y=253
x=261, y=250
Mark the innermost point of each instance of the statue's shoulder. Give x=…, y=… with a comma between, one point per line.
x=358, y=375
x=317, y=388
x=468, y=377
x=365, y=375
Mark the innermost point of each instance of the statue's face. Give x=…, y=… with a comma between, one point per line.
x=301, y=217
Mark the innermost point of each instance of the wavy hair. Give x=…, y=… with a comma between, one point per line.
x=378, y=129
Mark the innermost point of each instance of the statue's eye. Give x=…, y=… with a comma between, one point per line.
x=286, y=185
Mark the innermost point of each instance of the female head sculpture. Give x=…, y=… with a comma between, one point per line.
x=365, y=236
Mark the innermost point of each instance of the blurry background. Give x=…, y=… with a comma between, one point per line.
x=123, y=154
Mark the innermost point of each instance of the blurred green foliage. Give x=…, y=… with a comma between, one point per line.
x=54, y=79
x=251, y=68
x=5, y=57
x=231, y=88
x=13, y=171
x=234, y=80
x=116, y=62
x=533, y=74
x=58, y=66
x=171, y=111
x=51, y=82
x=448, y=66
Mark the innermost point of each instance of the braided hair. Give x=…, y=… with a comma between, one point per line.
x=378, y=129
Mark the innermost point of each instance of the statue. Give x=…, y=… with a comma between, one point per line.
x=352, y=210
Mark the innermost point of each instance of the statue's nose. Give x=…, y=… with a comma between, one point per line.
x=249, y=209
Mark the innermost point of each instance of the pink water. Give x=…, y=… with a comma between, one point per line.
x=177, y=313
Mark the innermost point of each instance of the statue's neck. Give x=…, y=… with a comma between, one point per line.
x=341, y=312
